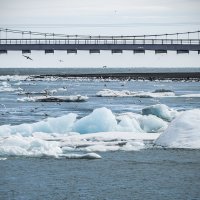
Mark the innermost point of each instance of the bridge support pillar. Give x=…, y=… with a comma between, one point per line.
x=139, y=51
x=160, y=51
x=94, y=51
x=198, y=51
x=49, y=51
x=71, y=50
x=26, y=51
x=116, y=51
x=182, y=51
x=3, y=51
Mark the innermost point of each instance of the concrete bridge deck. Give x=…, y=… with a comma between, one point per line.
x=95, y=48
x=49, y=42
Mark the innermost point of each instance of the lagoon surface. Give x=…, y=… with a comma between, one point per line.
x=81, y=138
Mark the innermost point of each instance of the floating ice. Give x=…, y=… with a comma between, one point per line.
x=108, y=141
x=100, y=131
x=100, y=120
x=183, y=132
x=190, y=95
x=113, y=93
x=60, y=125
x=129, y=124
x=152, y=124
x=75, y=98
x=13, y=77
x=154, y=94
x=161, y=111
x=82, y=156
x=17, y=145
x=3, y=158
x=6, y=87
x=126, y=93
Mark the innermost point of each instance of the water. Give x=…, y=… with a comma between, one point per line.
x=15, y=112
x=150, y=173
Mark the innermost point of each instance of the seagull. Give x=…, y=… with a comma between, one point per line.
x=27, y=57
x=61, y=61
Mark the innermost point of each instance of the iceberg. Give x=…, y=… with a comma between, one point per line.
x=182, y=132
x=152, y=124
x=160, y=110
x=100, y=120
x=59, y=125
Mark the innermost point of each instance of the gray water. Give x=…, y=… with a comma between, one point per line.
x=148, y=174
x=16, y=112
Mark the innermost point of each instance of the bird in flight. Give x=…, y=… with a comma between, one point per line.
x=61, y=61
x=27, y=57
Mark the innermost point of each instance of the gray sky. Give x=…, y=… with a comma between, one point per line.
x=101, y=17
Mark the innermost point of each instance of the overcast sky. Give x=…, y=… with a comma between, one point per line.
x=101, y=17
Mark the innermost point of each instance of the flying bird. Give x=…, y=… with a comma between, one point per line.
x=61, y=61
x=27, y=57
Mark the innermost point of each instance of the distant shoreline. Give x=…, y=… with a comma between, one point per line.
x=108, y=73
x=135, y=76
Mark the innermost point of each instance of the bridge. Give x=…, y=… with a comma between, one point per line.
x=27, y=41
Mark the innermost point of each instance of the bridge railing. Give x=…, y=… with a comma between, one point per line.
x=99, y=41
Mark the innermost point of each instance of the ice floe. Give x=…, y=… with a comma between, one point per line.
x=72, y=137
x=190, y=95
x=126, y=93
x=59, y=125
x=17, y=145
x=71, y=98
x=1, y=158
x=183, y=132
x=100, y=120
x=6, y=87
x=82, y=156
x=161, y=111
